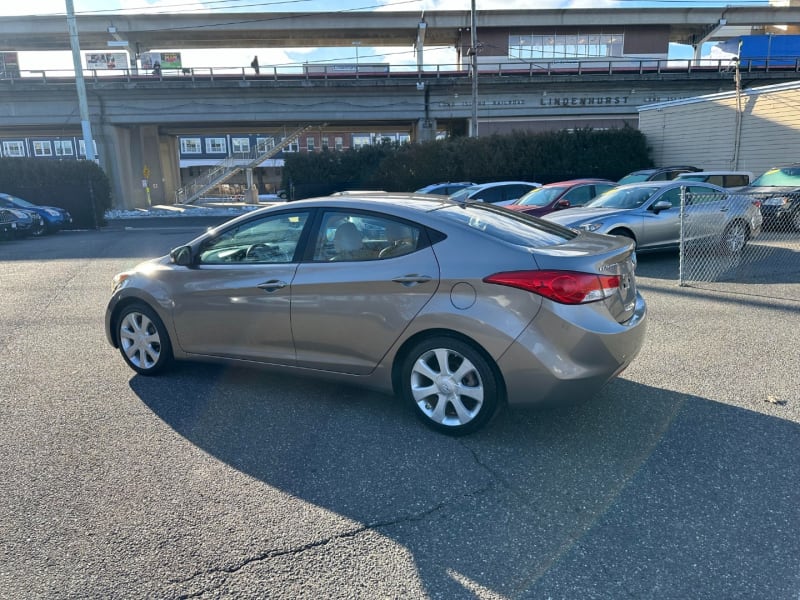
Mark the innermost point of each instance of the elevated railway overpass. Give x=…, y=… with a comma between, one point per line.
x=136, y=116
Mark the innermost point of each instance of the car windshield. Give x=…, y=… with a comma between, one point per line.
x=785, y=176
x=623, y=198
x=635, y=177
x=540, y=196
x=510, y=226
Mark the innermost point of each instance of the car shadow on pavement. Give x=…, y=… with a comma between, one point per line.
x=638, y=492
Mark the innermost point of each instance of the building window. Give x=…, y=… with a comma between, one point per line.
x=325, y=145
x=265, y=144
x=566, y=47
x=191, y=146
x=310, y=144
x=64, y=147
x=338, y=143
x=14, y=149
x=216, y=145
x=82, y=147
x=240, y=145
x=42, y=148
x=361, y=139
x=293, y=146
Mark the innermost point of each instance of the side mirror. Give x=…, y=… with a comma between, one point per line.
x=563, y=204
x=661, y=205
x=181, y=256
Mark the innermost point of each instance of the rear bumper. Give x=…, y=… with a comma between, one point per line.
x=588, y=350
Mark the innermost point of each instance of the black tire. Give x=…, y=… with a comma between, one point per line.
x=143, y=340
x=457, y=398
x=796, y=219
x=40, y=229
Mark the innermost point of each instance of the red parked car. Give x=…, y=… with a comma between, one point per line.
x=562, y=194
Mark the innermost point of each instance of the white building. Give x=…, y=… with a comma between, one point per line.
x=752, y=130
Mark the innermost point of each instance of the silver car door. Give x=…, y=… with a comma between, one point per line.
x=662, y=229
x=707, y=212
x=349, y=305
x=235, y=301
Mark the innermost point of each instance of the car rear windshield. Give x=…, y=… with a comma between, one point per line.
x=635, y=177
x=786, y=176
x=512, y=227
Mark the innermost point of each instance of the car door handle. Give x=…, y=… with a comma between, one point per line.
x=272, y=285
x=410, y=280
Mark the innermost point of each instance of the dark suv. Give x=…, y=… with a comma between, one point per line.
x=658, y=174
x=778, y=191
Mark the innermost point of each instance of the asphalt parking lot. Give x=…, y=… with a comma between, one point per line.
x=678, y=480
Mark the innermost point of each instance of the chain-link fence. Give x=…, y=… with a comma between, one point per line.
x=741, y=239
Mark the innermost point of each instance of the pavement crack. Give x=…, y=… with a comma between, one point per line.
x=272, y=554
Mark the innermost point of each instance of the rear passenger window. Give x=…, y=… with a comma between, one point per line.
x=359, y=236
x=736, y=180
x=515, y=228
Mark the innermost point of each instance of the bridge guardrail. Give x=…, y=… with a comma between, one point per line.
x=534, y=68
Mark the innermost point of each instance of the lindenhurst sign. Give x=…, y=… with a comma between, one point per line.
x=555, y=101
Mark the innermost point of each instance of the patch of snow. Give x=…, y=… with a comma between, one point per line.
x=182, y=210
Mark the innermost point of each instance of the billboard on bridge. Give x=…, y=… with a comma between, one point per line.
x=96, y=61
x=9, y=64
x=166, y=60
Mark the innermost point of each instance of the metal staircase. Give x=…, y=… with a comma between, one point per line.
x=197, y=188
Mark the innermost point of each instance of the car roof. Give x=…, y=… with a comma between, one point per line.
x=720, y=172
x=667, y=168
x=668, y=183
x=380, y=200
x=578, y=182
x=510, y=182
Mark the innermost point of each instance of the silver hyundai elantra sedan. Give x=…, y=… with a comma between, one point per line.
x=458, y=308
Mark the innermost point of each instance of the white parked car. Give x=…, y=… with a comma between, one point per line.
x=500, y=193
x=726, y=179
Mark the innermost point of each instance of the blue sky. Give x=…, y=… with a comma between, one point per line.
x=242, y=57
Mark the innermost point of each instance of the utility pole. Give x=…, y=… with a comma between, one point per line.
x=474, y=51
x=83, y=105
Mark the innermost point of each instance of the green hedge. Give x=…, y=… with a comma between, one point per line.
x=542, y=157
x=80, y=186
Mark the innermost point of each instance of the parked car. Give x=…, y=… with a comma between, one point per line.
x=8, y=224
x=560, y=195
x=778, y=191
x=657, y=174
x=497, y=192
x=27, y=222
x=53, y=218
x=539, y=314
x=444, y=189
x=649, y=213
x=726, y=179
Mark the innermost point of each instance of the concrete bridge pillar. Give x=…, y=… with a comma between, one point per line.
x=426, y=130
x=141, y=163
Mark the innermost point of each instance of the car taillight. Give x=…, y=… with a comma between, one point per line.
x=566, y=287
x=757, y=203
